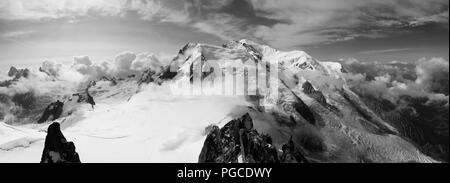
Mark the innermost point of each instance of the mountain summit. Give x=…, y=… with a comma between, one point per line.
x=299, y=108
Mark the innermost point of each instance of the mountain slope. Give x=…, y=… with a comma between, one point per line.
x=163, y=116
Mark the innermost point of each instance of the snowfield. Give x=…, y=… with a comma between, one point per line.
x=153, y=126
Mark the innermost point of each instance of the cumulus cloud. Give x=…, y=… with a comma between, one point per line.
x=88, y=69
x=50, y=68
x=123, y=65
x=399, y=71
x=391, y=81
x=84, y=60
x=123, y=62
x=433, y=75
x=127, y=63
x=50, y=78
x=144, y=61
x=291, y=23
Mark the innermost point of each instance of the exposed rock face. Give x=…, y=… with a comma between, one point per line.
x=291, y=153
x=12, y=71
x=18, y=73
x=57, y=149
x=90, y=100
x=158, y=74
x=304, y=66
x=328, y=122
x=86, y=96
x=5, y=83
x=54, y=109
x=239, y=142
x=309, y=90
x=148, y=76
x=367, y=113
x=167, y=74
x=313, y=93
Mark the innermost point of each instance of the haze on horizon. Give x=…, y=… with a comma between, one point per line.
x=32, y=31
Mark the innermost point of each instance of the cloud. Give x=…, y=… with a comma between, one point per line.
x=158, y=10
x=223, y=26
x=433, y=75
x=123, y=65
x=399, y=71
x=385, y=51
x=435, y=18
x=283, y=24
x=292, y=23
x=53, y=9
x=391, y=81
x=417, y=106
x=55, y=70
x=84, y=60
x=88, y=69
x=16, y=34
x=127, y=63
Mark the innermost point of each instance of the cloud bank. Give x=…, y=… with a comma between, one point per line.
x=425, y=78
x=25, y=96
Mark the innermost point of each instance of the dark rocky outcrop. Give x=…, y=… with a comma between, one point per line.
x=304, y=110
x=90, y=100
x=15, y=74
x=291, y=153
x=305, y=66
x=86, y=96
x=5, y=83
x=54, y=109
x=18, y=73
x=238, y=141
x=257, y=56
x=57, y=149
x=147, y=76
x=168, y=73
x=308, y=89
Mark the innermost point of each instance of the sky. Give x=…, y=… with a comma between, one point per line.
x=32, y=31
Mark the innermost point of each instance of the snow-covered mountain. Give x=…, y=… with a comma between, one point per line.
x=165, y=115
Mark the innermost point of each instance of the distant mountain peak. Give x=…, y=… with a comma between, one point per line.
x=18, y=73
